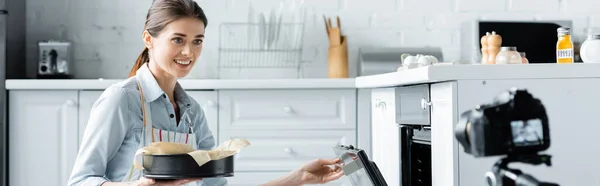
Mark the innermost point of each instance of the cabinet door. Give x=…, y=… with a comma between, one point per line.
x=43, y=136
x=286, y=150
x=86, y=101
x=315, y=109
x=208, y=102
x=385, y=142
x=259, y=178
x=444, y=159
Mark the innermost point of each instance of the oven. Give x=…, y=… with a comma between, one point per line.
x=415, y=155
x=401, y=134
x=412, y=117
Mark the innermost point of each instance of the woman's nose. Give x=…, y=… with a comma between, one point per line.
x=186, y=50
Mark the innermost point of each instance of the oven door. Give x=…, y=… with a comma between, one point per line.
x=415, y=155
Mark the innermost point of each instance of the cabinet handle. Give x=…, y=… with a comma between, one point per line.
x=288, y=109
x=210, y=104
x=425, y=104
x=288, y=150
x=70, y=103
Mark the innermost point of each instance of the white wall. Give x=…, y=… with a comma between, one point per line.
x=107, y=33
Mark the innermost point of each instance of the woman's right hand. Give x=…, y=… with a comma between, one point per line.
x=143, y=181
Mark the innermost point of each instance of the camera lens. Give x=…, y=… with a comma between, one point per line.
x=490, y=178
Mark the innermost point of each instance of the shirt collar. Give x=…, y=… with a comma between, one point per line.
x=152, y=90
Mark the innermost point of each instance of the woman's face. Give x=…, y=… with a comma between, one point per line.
x=177, y=47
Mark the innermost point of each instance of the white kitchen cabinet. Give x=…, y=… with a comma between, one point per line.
x=287, y=109
x=385, y=142
x=87, y=98
x=259, y=178
x=572, y=109
x=286, y=150
x=208, y=101
x=444, y=160
x=287, y=128
x=43, y=136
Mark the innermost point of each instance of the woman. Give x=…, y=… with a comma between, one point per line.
x=151, y=104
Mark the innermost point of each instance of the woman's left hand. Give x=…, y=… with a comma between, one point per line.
x=320, y=172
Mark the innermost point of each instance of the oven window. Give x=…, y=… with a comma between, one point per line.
x=420, y=164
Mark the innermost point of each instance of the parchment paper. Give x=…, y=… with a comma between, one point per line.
x=226, y=149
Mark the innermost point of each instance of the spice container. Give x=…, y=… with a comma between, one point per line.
x=494, y=41
x=524, y=59
x=564, y=46
x=590, y=49
x=508, y=55
x=484, y=48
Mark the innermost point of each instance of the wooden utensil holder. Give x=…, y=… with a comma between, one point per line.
x=338, y=60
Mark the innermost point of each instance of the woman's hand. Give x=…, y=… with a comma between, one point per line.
x=143, y=181
x=319, y=171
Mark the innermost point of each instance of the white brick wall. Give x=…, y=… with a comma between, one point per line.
x=107, y=33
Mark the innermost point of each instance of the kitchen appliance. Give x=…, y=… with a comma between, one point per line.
x=380, y=60
x=536, y=38
x=415, y=155
x=54, y=60
x=414, y=136
x=357, y=166
x=181, y=166
x=374, y=61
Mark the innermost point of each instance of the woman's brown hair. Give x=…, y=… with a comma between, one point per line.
x=160, y=14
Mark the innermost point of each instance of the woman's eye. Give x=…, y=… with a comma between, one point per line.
x=198, y=41
x=177, y=40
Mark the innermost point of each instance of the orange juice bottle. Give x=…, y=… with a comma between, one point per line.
x=564, y=46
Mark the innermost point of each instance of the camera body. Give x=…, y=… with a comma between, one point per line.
x=514, y=124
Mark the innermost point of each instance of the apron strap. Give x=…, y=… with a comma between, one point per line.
x=144, y=113
x=143, y=104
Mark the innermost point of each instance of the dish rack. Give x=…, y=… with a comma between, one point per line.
x=259, y=46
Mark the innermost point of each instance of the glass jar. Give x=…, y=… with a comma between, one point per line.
x=590, y=49
x=524, y=59
x=508, y=55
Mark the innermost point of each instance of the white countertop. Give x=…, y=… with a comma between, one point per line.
x=190, y=84
x=440, y=73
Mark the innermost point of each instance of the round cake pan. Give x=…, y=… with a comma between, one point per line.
x=181, y=166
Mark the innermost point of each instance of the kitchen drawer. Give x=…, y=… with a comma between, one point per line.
x=413, y=105
x=287, y=109
x=286, y=150
x=259, y=178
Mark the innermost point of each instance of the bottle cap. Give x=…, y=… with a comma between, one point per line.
x=563, y=30
x=593, y=37
x=508, y=48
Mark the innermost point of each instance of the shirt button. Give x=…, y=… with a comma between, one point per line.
x=171, y=115
x=164, y=96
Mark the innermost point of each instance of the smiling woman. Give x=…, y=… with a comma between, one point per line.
x=173, y=37
x=151, y=106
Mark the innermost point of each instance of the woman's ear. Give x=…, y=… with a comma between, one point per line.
x=147, y=38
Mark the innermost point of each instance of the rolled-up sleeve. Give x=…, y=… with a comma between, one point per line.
x=104, y=134
x=206, y=141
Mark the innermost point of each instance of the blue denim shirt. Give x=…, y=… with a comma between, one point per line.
x=114, y=129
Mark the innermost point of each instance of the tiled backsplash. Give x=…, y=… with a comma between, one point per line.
x=107, y=33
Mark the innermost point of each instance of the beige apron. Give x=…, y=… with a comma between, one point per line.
x=150, y=135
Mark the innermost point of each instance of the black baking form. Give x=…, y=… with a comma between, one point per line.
x=182, y=166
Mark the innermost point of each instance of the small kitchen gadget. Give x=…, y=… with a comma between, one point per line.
x=358, y=167
x=54, y=60
x=181, y=166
